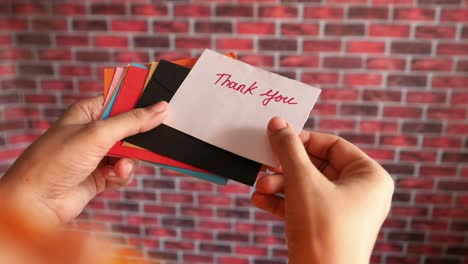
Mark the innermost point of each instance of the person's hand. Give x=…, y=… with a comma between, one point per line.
x=335, y=196
x=65, y=168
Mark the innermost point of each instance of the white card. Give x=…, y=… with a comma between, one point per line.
x=228, y=103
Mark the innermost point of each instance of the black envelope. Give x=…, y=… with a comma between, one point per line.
x=172, y=143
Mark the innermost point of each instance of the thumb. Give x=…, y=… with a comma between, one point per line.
x=129, y=123
x=289, y=149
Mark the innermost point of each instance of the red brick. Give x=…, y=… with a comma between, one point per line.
x=129, y=25
x=418, y=156
x=452, y=49
x=425, y=249
x=458, y=129
x=233, y=260
x=361, y=79
x=322, y=45
x=108, y=9
x=257, y=28
x=8, y=24
x=193, y=42
x=360, y=110
x=15, y=113
x=133, y=56
x=6, y=70
x=15, y=54
x=314, y=78
x=408, y=211
x=49, y=24
x=339, y=95
x=214, y=200
x=401, y=141
x=358, y=12
x=431, y=64
x=234, y=44
x=437, y=171
x=379, y=96
x=435, y=32
x=28, y=69
x=422, y=127
x=36, y=39
x=453, y=213
x=213, y=27
x=278, y=12
x=89, y=25
x=28, y=9
x=425, y=97
x=457, y=82
x=227, y=10
x=299, y=29
x=299, y=61
x=161, y=232
x=151, y=41
x=197, y=235
x=459, y=98
x=41, y=99
x=176, y=198
x=414, y=14
x=159, y=209
x=325, y=109
x=460, y=157
x=365, y=47
x=67, y=70
x=93, y=56
x=342, y=125
x=431, y=198
x=322, y=12
x=447, y=113
x=19, y=83
x=462, y=66
x=335, y=29
x=192, y=10
x=342, y=62
x=278, y=44
x=458, y=14
x=191, y=258
x=428, y=225
x=442, y=142
x=153, y=10
x=257, y=60
x=410, y=48
x=110, y=41
x=250, y=251
x=407, y=80
x=72, y=40
x=69, y=9
x=171, y=26
x=385, y=64
x=389, y=30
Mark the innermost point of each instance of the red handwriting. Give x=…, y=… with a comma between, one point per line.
x=276, y=97
x=242, y=88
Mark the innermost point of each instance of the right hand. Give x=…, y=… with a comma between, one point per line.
x=332, y=214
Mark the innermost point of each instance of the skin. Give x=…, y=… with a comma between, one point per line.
x=65, y=168
x=332, y=215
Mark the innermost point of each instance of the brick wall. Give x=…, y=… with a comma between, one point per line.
x=394, y=75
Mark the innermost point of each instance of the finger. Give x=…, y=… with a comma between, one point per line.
x=269, y=203
x=116, y=128
x=336, y=150
x=122, y=172
x=83, y=111
x=270, y=184
x=290, y=151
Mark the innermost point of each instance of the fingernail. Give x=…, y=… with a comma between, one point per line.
x=277, y=123
x=129, y=167
x=159, y=107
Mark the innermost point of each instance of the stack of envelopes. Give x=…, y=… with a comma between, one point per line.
x=185, y=142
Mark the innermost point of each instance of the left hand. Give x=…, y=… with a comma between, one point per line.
x=58, y=175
